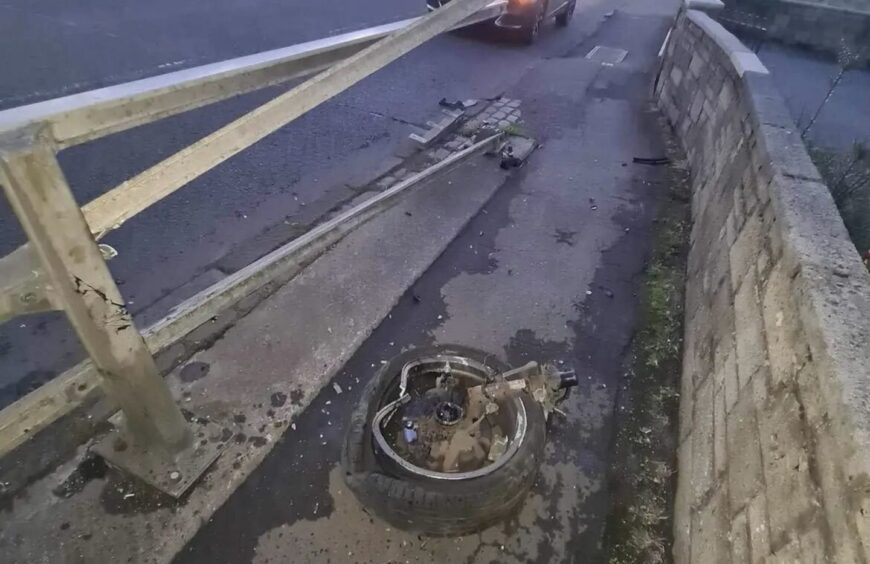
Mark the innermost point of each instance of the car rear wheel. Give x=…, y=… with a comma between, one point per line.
x=533, y=29
x=566, y=14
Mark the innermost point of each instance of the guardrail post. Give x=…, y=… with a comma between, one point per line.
x=155, y=440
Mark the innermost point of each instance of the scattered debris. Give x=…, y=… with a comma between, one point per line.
x=653, y=161
x=437, y=130
x=458, y=104
x=108, y=251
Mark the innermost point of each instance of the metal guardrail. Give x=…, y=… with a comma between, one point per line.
x=62, y=267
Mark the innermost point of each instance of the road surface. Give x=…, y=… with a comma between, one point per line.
x=540, y=263
x=188, y=240
x=549, y=271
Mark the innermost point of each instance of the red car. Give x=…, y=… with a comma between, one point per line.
x=523, y=16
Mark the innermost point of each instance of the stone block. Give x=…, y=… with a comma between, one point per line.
x=720, y=267
x=829, y=469
x=749, y=192
x=719, y=434
x=723, y=349
x=722, y=314
x=740, y=551
x=759, y=387
x=862, y=521
x=748, y=326
x=745, y=249
x=710, y=528
x=697, y=104
x=759, y=531
x=702, y=442
x=787, y=153
x=739, y=209
x=787, y=554
x=814, y=549
x=683, y=504
x=730, y=380
x=766, y=101
x=812, y=230
x=676, y=76
x=687, y=399
x=694, y=289
x=731, y=232
x=744, y=453
x=763, y=263
x=808, y=548
x=790, y=493
x=787, y=349
x=703, y=352
x=697, y=64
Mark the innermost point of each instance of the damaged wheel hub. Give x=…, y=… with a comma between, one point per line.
x=454, y=418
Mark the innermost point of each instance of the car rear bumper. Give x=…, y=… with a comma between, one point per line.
x=496, y=12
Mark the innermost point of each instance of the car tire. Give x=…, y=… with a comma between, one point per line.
x=564, y=17
x=532, y=29
x=429, y=505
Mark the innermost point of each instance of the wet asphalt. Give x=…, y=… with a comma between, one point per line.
x=548, y=270
x=291, y=178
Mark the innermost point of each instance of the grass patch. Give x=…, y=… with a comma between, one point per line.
x=642, y=481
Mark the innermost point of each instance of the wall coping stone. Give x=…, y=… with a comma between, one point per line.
x=704, y=5
x=743, y=59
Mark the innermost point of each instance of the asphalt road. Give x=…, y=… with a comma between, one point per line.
x=56, y=48
x=547, y=271
x=542, y=262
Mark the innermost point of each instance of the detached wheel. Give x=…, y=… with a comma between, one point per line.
x=566, y=14
x=442, y=461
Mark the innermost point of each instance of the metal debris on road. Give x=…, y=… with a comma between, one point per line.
x=654, y=161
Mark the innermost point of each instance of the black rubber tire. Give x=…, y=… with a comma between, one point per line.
x=532, y=30
x=431, y=506
x=564, y=17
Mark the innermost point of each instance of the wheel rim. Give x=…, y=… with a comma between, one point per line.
x=440, y=443
x=536, y=27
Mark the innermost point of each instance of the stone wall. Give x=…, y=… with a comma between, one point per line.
x=774, y=455
x=821, y=26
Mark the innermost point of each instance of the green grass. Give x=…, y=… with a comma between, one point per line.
x=638, y=529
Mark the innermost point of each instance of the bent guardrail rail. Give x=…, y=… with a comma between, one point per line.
x=62, y=267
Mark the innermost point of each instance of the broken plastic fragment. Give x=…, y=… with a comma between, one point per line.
x=108, y=251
